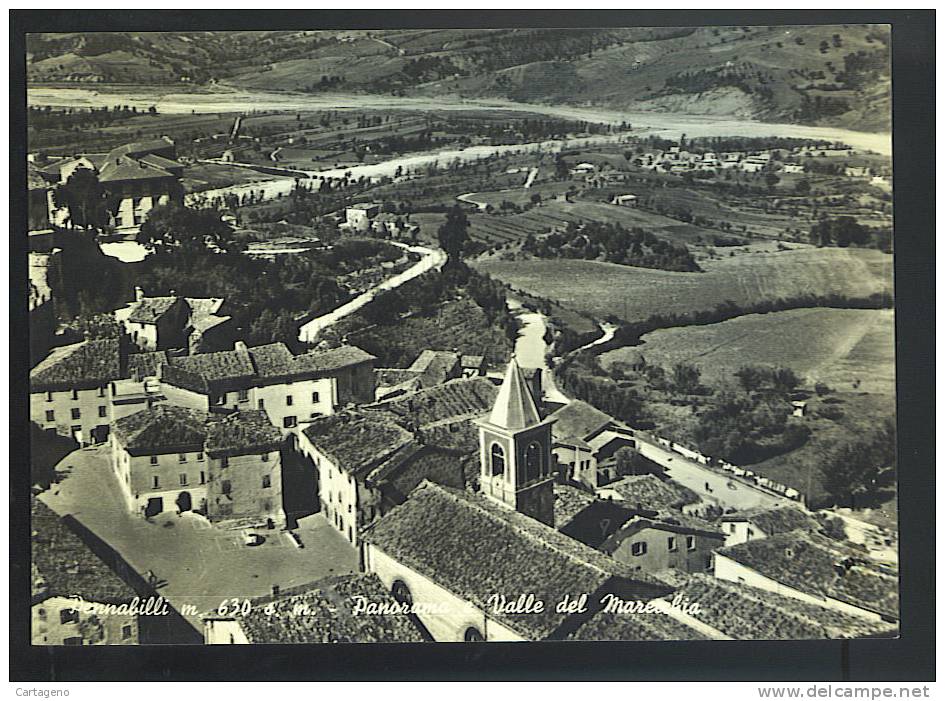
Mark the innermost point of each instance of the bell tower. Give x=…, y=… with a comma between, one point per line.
x=515, y=451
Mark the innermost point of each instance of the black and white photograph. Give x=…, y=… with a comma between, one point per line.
x=461, y=335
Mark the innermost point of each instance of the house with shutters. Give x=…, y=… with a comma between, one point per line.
x=762, y=522
x=191, y=324
x=586, y=441
x=228, y=468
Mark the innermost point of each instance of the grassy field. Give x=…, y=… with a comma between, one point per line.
x=833, y=346
x=604, y=289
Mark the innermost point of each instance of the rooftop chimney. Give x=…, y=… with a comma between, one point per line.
x=139, y=294
x=239, y=346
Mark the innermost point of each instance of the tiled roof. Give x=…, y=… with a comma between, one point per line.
x=150, y=309
x=64, y=566
x=474, y=549
x=569, y=502
x=153, y=159
x=324, y=613
x=472, y=361
x=331, y=359
x=454, y=400
x=435, y=367
x=143, y=365
x=776, y=520
x=578, y=419
x=124, y=168
x=673, y=522
x=82, y=365
x=35, y=179
x=614, y=625
x=214, y=367
x=650, y=492
x=816, y=565
x=242, y=432
x=514, y=406
x=747, y=613
x=138, y=148
x=162, y=429
x=356, y=441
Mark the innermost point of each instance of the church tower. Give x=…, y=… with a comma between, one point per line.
x=515, y=451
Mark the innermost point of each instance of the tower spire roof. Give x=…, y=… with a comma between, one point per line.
x=514, y=406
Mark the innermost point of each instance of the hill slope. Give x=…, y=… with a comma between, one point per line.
x=812, y=74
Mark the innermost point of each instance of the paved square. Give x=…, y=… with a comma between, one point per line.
x=202, y=565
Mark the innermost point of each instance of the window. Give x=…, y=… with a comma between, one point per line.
x=708, y=562
x=261, y=404
x=76, y=414
x=288, y=422
x=101, y=391
x=690, y=542
x=671, y=543
x=498, y=460
x=266, y=482
x=226, y=487
x=199, y=457
x=244, y=395
x=68, y=616
x=182, y=457
x=42, y=614
x=203, y=477
x=637, y=549
x=75, y=394
x=156, y=482
x=288, y=400
x=224, y=461
x=472, y=635
x=314, y=397
x=183, y=479
x=154, y=459
x=48, y=396
x=533, y=462
x=102, y=411
x=125, y=632
x=50, y=415
x=264, y=457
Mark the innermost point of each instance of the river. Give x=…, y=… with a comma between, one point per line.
x=669, y=125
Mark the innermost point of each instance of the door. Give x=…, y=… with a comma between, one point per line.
x=184, y=502
x=155, y=506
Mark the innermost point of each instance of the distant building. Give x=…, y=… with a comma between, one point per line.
x=857, y=171
x=328, y=611
x=583, y=169
x=358, y=216
x=171, y=457
x=649, y=492
x=137, y=177
x=174, y=322
x=625, y=200
x=586, y=441
x=473, y=365
x=75, y=595
x=431, y=368
x=754, y=524
x=792, y=168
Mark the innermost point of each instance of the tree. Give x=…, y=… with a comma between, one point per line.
x=802, y=187
x=785, y=380
x=173, y=228
x=771, y=180
x=751, y=378
x=85, y=198
x=452, y=235
x=686, y=378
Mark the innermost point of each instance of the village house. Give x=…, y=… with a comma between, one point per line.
x=369, y=460
x=71, y=588
x=430, y=368
x=174, y=322
x=137, y=177
x=652, y=541
x=582, y=169
x=625, y=200
x=333, y=610
x=857, y=171
x=227, y=468
x=586, y=441
x=754, y=524
x=69, y=389
x=815, y=569
x=358, y=217
x=585, y=517
x=292, y=389
x=649, y=492
x=791, y=168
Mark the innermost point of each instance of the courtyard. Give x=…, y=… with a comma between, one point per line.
x=203, y=566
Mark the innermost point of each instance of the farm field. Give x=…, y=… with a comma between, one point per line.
x=207, y=176
x=629, y=293
x=499, y=229
x=833, y=346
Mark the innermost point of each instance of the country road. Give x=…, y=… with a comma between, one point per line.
x=432, y=258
